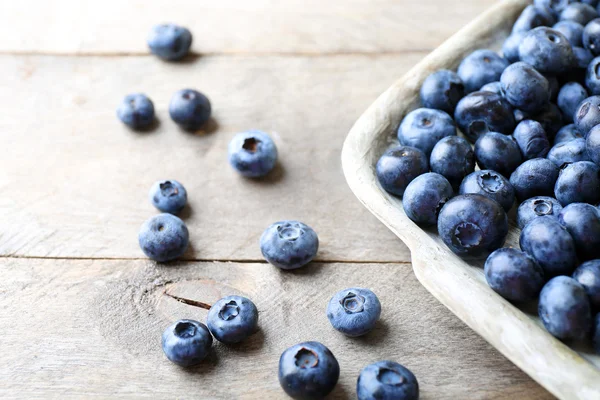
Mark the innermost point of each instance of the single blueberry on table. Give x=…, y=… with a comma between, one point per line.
x=588, y=275
x=425, y=196
x=578, y=12
x=136, y=111
x=531, y=139
x=424, y=127
x=289, y=244
x=398, y=166
x=551, y=120
x=572, y=30
x=387, y=380
x=566, y=133
x=514, y=275
x=498, y=152
x=490, y=184
x=591, y=37
x=583, y=223
x=532, y=17
x=189, y=109
x=555, y=5
x=163, y=237
x=168, y=196
x=442, y=90
x=592, y=144
x=481, y=112
x=354, y=311
x=232, y=319
x=480, y=67
x=453, y=158
x=568, y=152
x=547, y=50
x=510, y=47
x=535, y=207
x=535, y=177
x=525, y=88
x=587, y=115
x=569, y=98
x=578, y=182
x=186, y=342
x=550, y=244
x=592, y=76
x=253, y=153
x=308, y=370
x=565, y=309
x=472, y=224
x=169, y=41
x=494, y=87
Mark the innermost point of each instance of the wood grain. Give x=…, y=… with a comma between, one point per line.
x=233, y=26
x=82, y=328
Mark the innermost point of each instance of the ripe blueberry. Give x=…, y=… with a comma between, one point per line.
x=354, y=311
x=253, y=154
x=232, y=319
x=289, y=244
x=186, y=342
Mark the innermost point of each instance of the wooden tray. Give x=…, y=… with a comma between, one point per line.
x=460, y=285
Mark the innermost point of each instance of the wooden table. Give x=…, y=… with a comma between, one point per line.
x=82, y=310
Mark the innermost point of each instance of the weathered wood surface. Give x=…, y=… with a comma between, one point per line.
x=83, y=328
x=233, y=26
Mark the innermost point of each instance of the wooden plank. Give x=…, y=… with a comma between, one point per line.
x=233, y=26
x=82, y=328
x=75, y=181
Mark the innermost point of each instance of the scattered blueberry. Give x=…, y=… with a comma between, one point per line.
x=480, y=67
x=189, y=109
x=490, y=184
x=398, y=166
x=535, y=177
x=232, y=319
x=289, y=244
x=425, y=196
x=531, y=139
x=186, y=342
x=569, y=97
x=578, y=182
x=525, y=88
x=253, y=153
x=568, y=152
x=482, y=112
x=573, y=31
x=550, y=244
x=308, y=370
x=578, y=12
x=592, y=145
x=514, y=275
x=442, y=90
x=169, y=41
x=588, y=275
x=546, y=50
x=424, y=127
x=453, y=158
x=494, y=87
x=163, y=237
x=354, y=311
x=551, y=120
x=565, y=309
x=535, y=207
x=566, y=133
x=387, y=380
x=498, y=152
x=510, y=47
x=583, y=223
x=136, y=111
x=532, y=17
x=168, y=196
x=472, y=224
x=587, y=115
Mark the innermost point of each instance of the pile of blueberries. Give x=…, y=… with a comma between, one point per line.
x=308, y=370
x=531, y=122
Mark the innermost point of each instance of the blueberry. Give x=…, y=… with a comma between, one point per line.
x=565, y=309
x=588, y=275
x=535, y=177
x=573, y=31
x=569, y=97
x=289, y=244
x=490, y=184
x=514, y=275
x=535, y=207
x=480, y=67
x=498, y=152
x=532, y=17
x=425, y=196
x=424, y=127
x=398, y=166
x=168, y=196
x=531, y=139
x=387, y=380
x=546, y=50
x=473, y=224
x=578, y=12
x=592, y=76
x=232, y=319
x=494, y=87
x=169, y=41
x=583, y=223
x=510, y=47
x=592, y=145
x=453, y=158
x=136, y=111
x=354, y=311
x=186, y=342
x=587, y=115
x=555, y=5
x=591, y=37
x=550, y=244
x=308, y=370
x=189, y=109
x=163, y=237
x=551, y=120
x=525, y=88
x=442, y=90
x=566, y=133
x=253, y=153
x=578, y=182
x=568, y=152
x=482, y=112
